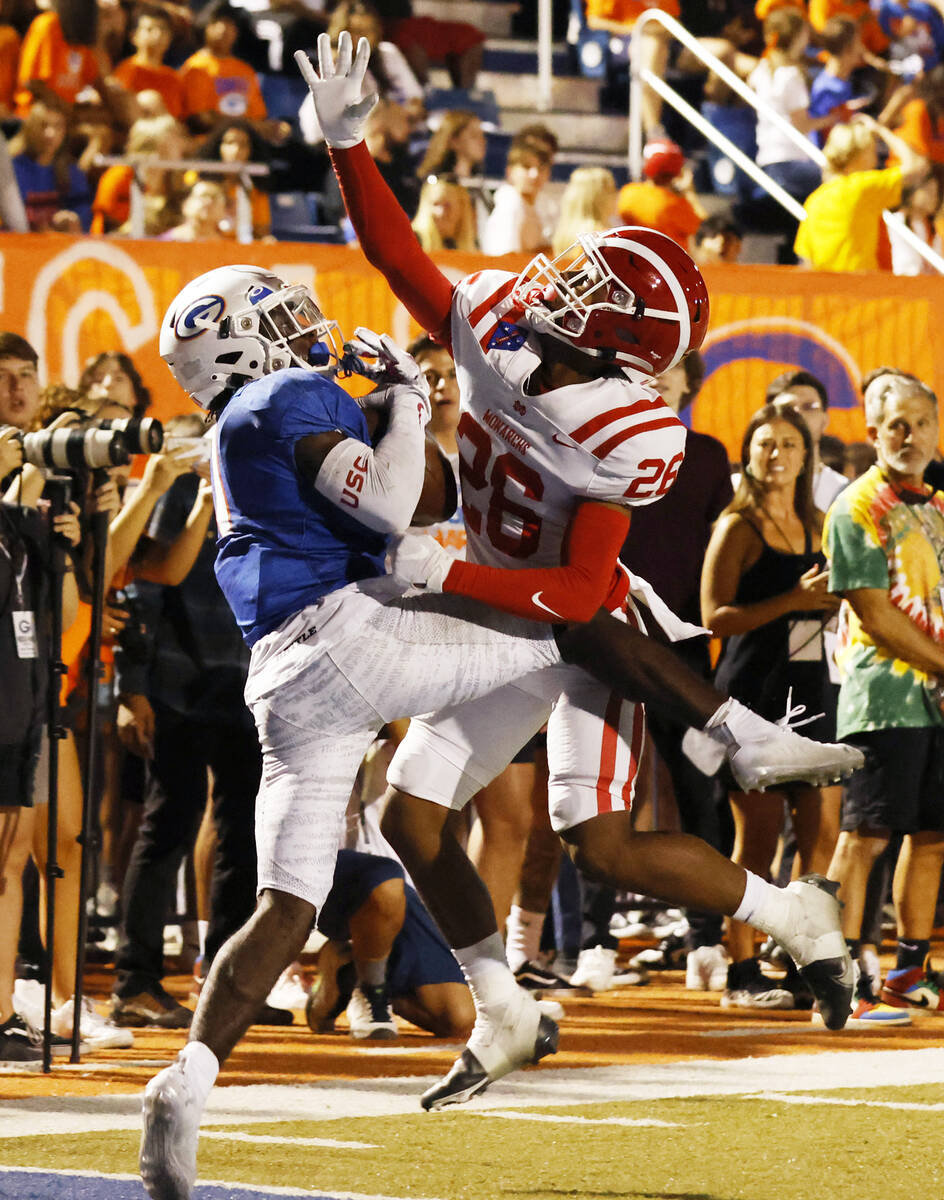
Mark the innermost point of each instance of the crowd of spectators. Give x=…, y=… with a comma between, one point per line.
x=162, y=84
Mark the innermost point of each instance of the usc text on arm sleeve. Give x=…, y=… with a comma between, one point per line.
x=381, y=487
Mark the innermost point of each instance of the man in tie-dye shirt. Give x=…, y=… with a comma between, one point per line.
x=884, y=537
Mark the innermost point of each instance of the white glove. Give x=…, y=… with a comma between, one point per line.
x=420, y=561
x=336, y=89
x=392, y=369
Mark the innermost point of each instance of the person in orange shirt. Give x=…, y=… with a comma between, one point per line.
x=619, y=17
x=667, y=200
x=216, y=84
x=10, y=43
x=151, y=37
x=49, y=56
x=922, y=119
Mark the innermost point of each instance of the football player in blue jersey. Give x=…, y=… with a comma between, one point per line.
x=306, y=501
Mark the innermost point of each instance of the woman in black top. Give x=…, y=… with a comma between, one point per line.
x=764, y=589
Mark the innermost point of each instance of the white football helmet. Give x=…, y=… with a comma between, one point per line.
x=238, y=323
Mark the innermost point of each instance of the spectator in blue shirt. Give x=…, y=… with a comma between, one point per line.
x=914, y=27
x=833, y=90
x=55, y=191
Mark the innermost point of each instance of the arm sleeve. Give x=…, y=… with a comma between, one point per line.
x=380, y=487
x=571, y=592
x=389, y=243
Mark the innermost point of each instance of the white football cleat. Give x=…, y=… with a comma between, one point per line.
x=505, y=1036
x=764, y=753
x=596, y=966
x=812, y=935
x=706, y=969
x=168, y=1158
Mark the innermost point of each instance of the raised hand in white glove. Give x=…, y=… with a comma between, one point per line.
x=336, y=88
x=420, y=561
x=391, y=368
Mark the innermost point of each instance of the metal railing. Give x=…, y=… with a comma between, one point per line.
x=244, y=172
x=640, y=77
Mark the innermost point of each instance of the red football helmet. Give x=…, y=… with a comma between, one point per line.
x=630, y=296
x=662, y=159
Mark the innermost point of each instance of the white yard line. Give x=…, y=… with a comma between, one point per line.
x=265, y=1139
x=546, y=1088
x=904, y=1105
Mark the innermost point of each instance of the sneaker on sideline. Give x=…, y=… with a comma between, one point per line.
x=630, y=977
x=29, y=1005
x=669, y=955
x=748, y=987
x=868, y=1012
x=913, y=987
x=17, y=1045
x=706, y=969
x=369, y=1013
x=505, y=1036
x=596, y=966
x=153, y=1007
x=290, y=991
x=541, y=981
x=96, y=1031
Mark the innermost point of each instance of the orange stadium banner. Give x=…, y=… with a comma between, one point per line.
x=73, y=297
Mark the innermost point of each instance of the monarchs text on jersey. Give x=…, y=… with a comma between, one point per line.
x=526, y=460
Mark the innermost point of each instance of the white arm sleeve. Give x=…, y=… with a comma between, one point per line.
x=381, y=487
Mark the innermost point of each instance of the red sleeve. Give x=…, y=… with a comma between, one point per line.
x=389, y=243
x=588, y=578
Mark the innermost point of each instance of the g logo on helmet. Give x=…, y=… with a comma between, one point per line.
x=203, y=314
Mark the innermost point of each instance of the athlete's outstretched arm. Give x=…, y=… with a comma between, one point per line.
x=588, y=578
x=382, y=227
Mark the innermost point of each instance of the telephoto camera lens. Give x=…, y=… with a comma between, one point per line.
x=142, y=435
x=75, y=447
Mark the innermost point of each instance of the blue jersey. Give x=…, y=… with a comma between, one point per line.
x=282, y=545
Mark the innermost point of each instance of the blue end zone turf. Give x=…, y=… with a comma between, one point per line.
x=53, y=1185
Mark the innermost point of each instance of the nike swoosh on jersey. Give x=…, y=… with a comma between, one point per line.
x=561, y=442
x=536, y=599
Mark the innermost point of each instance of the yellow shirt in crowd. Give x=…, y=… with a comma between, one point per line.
x=843, y=216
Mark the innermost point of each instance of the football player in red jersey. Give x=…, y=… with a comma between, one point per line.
x=560, y=434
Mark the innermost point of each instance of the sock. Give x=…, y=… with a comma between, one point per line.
x=486, y=971
x=912, y=953
x=735, y=722
x=760, y=904
x=201, y=1067
x=372, y=971
x=202, y=927
x=522, y=936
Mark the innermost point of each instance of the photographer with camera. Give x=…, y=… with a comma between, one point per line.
x=65, y=447
x=181, y=707
x=27, y=539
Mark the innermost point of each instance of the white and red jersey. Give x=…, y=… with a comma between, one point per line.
x=525, y=461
